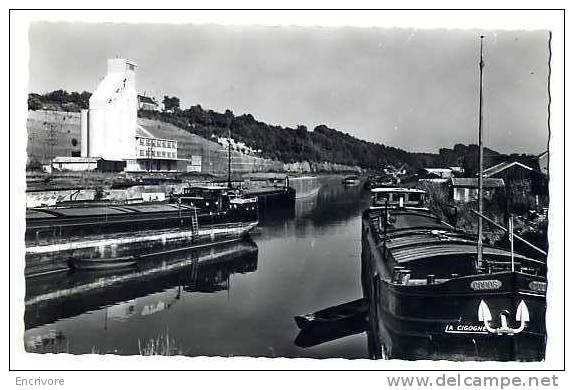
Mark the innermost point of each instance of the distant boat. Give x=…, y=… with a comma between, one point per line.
x=351, y=181
x=379, y=181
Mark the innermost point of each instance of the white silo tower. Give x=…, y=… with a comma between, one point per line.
x=109, y=126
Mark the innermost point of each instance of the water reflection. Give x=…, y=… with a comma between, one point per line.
x=238, y=300
x=333, y=205
x=63, y=295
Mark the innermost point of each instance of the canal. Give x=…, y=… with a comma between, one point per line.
x=232, y=300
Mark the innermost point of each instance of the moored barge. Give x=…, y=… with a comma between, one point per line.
x=60, y=237
x=430, y=297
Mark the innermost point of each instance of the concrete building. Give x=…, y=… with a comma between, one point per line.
x=109, y=129
x=109, y=126
x=153, y=154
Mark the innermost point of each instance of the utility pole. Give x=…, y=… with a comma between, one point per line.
x=480, y=157
x=150, y=152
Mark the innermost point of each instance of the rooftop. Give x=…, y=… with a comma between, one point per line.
x=397, y=189
x=437, y=169
x=144, y=132
x=146, y=99
x=472, y=182
x=503, y=166
x=64, y=159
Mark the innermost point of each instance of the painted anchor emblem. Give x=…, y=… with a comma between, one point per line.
x=522, y=316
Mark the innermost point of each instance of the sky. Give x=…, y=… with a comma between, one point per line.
x=409, y=88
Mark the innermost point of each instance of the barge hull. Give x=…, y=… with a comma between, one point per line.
x=57, y=257
x=441, y=321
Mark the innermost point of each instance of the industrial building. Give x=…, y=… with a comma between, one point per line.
x=153, y=154
x=110, y=136
x=109, y=129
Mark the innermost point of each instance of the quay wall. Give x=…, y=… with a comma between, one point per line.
x=50, y=198
x=304, y=186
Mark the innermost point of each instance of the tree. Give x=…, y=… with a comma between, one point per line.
x=85, y=99
x=34, y=102
x=170, y=103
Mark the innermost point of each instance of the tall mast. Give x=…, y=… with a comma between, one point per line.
x=229, y=158
x=480, y=157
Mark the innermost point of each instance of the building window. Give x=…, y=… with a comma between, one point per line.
x=142, y=153
x=141, y=141
x=147, y=141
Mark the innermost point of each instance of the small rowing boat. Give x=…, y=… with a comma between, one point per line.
x=346, y=311
x=103, y=263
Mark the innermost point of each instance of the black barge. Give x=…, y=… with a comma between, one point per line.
x=430, y=298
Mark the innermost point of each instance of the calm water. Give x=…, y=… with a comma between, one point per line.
x=233, y=300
